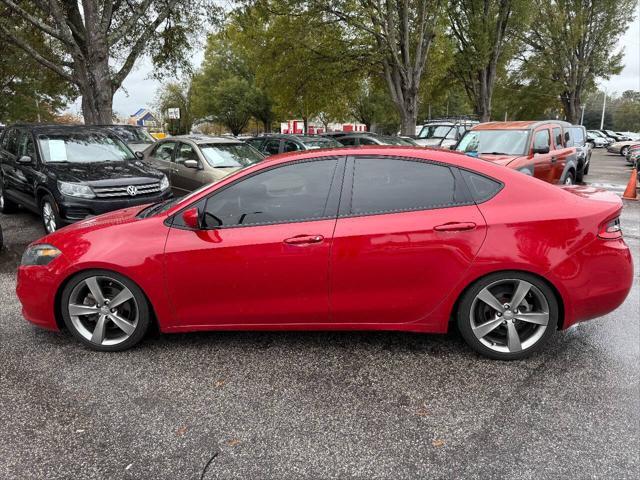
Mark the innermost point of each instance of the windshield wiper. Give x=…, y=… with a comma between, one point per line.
x=494, y=153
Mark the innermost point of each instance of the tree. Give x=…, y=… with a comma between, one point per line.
x=231, y=104
x=176, y=95
x=100, y=40
x=485, y=31
x=572, y=43
x=626, y=112
x=402, y=32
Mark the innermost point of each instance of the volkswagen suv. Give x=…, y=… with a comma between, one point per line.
x=69, y=173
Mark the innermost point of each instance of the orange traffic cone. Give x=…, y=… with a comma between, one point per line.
x=631, y=192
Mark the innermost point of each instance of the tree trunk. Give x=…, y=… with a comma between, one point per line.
x=483, y=100
x=95, y=83
x=571, y=105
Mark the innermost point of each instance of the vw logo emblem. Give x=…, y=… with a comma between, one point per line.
x=132, y=190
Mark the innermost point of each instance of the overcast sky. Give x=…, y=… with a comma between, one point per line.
x=139, y=91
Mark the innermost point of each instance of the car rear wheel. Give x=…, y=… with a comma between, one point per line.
x=624, y=151
x=105, y=311
x=508, y=316
x=51, y=221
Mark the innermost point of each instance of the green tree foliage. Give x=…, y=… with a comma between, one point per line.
x=231, y=103
x=626, y=112
x=176, y=95
x=485, y=32
x=94, y=44
x=572, y=43
x=29, y=92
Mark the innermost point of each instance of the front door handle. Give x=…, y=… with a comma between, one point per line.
x=455, y=227
x=304, y=239
x=554, y=159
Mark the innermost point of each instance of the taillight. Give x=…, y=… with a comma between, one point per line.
x=611, y=229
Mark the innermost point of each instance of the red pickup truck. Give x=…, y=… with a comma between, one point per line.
x=535, y=148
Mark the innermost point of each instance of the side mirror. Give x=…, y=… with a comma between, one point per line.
x=541, y=149
x=191, y=218
x=25, y=160
x=191, y=164
x=139, y=155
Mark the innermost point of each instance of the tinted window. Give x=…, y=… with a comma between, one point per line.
x=26, y=146
x=367, y=141
x=271, y=147
x=290, y=146
x=348, y=141
x=281, y=195
x=164, y=151
x=481, y=187
x=541, y=139
x=557, y=136
x=385, y=185
x=10, y=141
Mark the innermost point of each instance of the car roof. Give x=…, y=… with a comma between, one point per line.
x=519, y=125
x=202, y=139
x=53, y=127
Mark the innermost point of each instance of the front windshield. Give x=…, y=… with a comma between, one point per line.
x=437, y=131
x=496, y=142
x=324, y=143
x=132, y=134
x=230, y=155
x=83, y=147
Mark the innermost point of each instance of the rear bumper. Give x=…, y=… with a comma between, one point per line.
x=595, y=281
x=76, y=209
x=36, y=289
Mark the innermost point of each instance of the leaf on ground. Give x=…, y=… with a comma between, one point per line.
x=220, y=383
x=181, y=431
x=438, y=443
x=422, y=411
x=234, y=442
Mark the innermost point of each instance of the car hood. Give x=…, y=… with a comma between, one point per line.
x=499, y=159
x=104, y=173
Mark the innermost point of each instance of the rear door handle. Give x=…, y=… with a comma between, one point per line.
x=304, y=239
x=554, y=159
x=455, y=227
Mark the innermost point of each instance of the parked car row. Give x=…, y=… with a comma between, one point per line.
x=69, y=173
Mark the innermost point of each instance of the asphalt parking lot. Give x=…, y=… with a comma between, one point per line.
x=320, y=405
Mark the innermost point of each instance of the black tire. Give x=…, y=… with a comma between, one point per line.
x=142, y=323
x=55, y=223
x=569, y=179
x=6, y=205
x=586, y=170
x=593, y=144
x=470, y=300
x=624, y=151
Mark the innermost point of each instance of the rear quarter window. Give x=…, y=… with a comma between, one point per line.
x=481, y=188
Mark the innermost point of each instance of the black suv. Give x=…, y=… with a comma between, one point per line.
x=68, y=173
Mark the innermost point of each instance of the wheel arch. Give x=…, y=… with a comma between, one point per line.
x=554, y=289
x=57, y=302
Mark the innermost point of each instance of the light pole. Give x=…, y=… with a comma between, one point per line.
x=604, y=105
x=582, y=115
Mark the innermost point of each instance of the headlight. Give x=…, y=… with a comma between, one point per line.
x=40, y=255
x=76, y=190
x=164, y=183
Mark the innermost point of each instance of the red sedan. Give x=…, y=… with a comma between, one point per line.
x=381, y=238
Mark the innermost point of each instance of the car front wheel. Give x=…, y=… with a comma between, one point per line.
x=51, y=220
x=624, y=151
x=508, y=316
x=105, y=311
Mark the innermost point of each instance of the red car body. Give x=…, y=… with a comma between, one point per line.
x=392, y=271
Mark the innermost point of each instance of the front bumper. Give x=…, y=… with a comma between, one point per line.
x=73, y=209
x=36, y=289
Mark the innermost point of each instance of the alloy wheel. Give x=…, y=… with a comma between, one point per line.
x=624, y=151
x=49, y=217
x=568, y=180
x=509, y=316
x=103, y=310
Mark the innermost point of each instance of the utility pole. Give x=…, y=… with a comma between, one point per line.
x=604, y=105
x=505, y=115
x=582, y=116
x=38, y=109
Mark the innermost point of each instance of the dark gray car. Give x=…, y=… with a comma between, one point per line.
x=576, y=136
x=191, y=161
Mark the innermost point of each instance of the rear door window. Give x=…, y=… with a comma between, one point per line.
x=557, y=137
x=164, y=151
x=385, y=185
x=290, y=146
